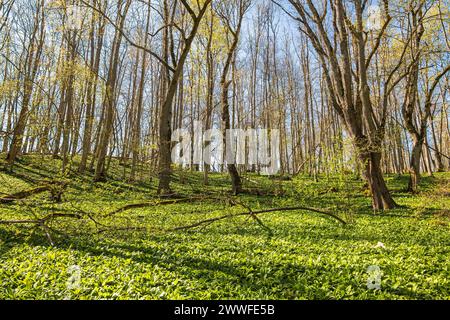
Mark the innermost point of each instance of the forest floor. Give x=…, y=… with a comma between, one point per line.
x=92, y=254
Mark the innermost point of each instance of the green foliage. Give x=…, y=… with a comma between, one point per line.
x=307, y=257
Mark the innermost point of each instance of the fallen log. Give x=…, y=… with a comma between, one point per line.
x=23, y=194
x=54, y=187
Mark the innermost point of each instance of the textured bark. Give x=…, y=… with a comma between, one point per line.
x=381, y=197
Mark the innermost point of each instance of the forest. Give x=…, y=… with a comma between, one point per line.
x=224, y=149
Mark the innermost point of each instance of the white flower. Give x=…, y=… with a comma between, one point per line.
x=380, y=245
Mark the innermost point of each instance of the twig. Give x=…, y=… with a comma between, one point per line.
x=157, y=203
x=255, y=213
x=254, y=216
x=42, y=220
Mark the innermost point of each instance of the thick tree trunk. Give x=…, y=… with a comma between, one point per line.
x=165, y=134
x=381, y=197
x=17, y=138
x=210, y=95
x=225, y=85
x=414, y=166
x=235, y=179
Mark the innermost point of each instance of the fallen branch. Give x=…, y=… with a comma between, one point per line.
x=254, y=214
x=22, y=194
x=42, y=220
x=55, y=187
x=102, y=228
x=157, y=203
x=144, y=205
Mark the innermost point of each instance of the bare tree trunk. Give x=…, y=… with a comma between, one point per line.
x=165, y=128
x=241, y=8
x=95, y=51
x=110, y=96
x=70, y=99
x=136, y=133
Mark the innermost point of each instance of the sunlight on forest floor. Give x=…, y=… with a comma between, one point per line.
x=307, y=256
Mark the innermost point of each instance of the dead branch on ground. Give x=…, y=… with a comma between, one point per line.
x=255, y=213
x=56, y=189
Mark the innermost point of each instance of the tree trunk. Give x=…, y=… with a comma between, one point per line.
x=414, y=165
x=381, y=197
x=110, y=97
x=33, y=61
x=165, y=128
x=232, y=170
x=91, y=95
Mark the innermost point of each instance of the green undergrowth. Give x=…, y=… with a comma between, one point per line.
x=305, y=256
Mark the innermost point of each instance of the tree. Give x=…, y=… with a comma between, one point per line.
x=33, y=57
x=165, y=127
x=346, y=59
x=232, y=14
x=412, y=105
x=96, y=40
x=110, y=93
